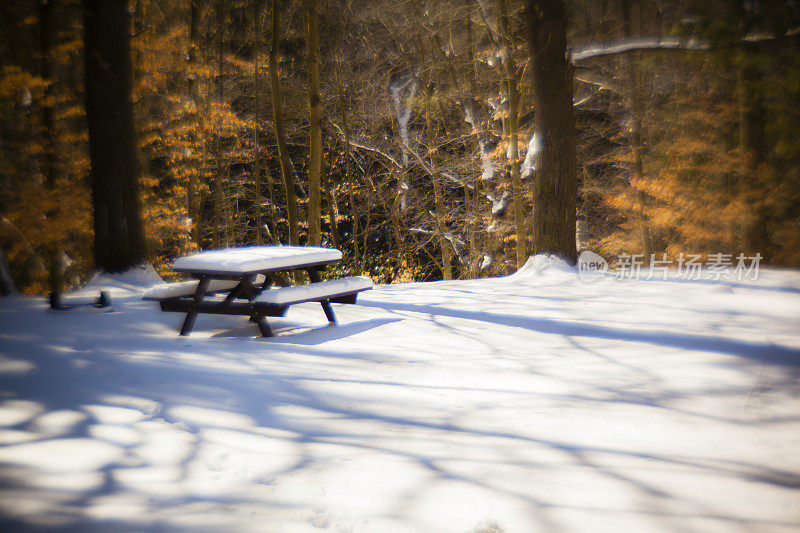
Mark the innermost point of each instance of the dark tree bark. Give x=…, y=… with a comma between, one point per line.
x=6, y=281
x=257, y=112
x=118, y=234
x=315, y=126
x=333, y=208
x=555, y=184
x=46, y=33
x=753, y=143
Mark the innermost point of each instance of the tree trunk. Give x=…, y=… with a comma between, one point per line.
x=441, y=228
x=53, y=248
x=280, y=131
x=474, y=252
x=194, y=202
x=753, y=144
x=445, y=248
x=256, y=116
x=118, y=234
x=315, y=109
x=555, y=184
x=634, y=108
x=220, y=232
x=350, y=192
x=513, y=126
x=6, y=281
x=638, y=166
x=333, y=210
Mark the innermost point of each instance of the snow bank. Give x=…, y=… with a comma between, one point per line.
x=142, y=276
x=538, y=265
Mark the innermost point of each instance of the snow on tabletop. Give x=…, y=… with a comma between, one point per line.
x=533, y=402
x=314, y=290
x=253, y=258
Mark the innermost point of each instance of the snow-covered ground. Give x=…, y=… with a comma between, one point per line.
x=534, y=402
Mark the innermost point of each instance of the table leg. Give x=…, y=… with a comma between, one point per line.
x=235, y=292
x=191, y=315
x=326, y=306
x=248, y=290
x=263, y=326
x=314, y=277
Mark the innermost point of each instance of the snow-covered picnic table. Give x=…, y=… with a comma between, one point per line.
x=247, y=281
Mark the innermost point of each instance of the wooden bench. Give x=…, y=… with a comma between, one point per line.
x=177, y=289
x=253, y=281
x=181, y=297
x=275, y=302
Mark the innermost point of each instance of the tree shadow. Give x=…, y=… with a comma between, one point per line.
x=295, y=391
x=288, y=332
x=767, y=353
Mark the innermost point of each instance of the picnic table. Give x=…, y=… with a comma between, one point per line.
x=249, y=281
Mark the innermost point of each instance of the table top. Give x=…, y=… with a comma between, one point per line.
x=253, y=259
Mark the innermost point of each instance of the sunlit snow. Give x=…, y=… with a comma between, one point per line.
x=534, y=402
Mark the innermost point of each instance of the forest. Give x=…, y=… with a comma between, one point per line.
x=430, y=139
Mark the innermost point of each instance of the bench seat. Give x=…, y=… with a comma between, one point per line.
x=334, y=290
x=177, y=289
x=185, y=288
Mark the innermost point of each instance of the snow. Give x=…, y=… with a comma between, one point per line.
x=403, y=93
x=312, y=291
x=141, y=276
x=183, y=288
x=499, y=204
x=531, y=162
x=254, y=258
x=487, y=162
x=502, y=54
x=469, y=116
x=594, y=50
x=533, y=402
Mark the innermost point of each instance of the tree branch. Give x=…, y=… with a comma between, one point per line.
x=361, y=146
x=596, y=50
